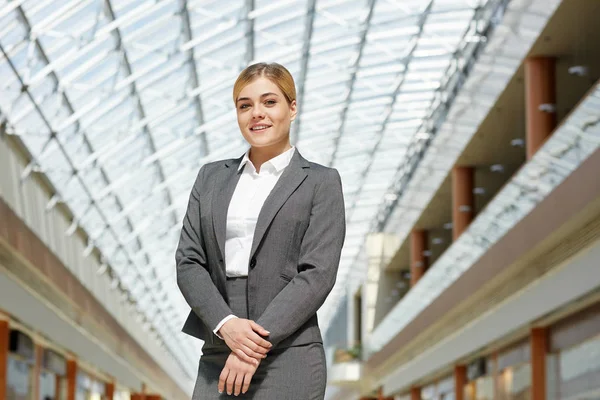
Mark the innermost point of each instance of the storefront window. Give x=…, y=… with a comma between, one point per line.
x=19, y=379
x=47, y=386
x=89, y=388
x=484, y=388
x=514, y=383
x=579, y=371
x=122, y=394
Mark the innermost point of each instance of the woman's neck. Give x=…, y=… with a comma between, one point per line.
x=260, y=155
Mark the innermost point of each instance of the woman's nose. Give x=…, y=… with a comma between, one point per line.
x=257, y=112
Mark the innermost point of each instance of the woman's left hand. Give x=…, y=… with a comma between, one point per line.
x=236, y=375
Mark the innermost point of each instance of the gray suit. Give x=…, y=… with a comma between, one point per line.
x=294, y=257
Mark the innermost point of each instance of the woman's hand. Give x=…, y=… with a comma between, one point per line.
x=242, y=337
x=236, y=375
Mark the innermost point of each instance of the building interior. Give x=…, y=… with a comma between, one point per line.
x=467, y=137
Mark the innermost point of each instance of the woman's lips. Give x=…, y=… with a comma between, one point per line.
x=259, y=128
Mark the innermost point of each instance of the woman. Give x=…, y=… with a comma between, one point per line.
x=259, y=252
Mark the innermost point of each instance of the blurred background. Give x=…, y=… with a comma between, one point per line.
x=466, y=133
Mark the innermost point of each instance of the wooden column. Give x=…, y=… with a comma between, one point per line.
x=463, y=204
x=539, y=346
x=380, y=395
x=415, y=393
x=58, y=380
x=71, y=379
x=418, y=262
x=4, y=340
x=540, y=88
x=37, y=370
x=109, y=389
x=460, y=380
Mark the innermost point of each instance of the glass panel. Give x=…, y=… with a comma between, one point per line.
x=19, y=380
x=139, y=91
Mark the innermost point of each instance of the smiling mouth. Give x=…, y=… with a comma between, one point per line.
x=260, y=128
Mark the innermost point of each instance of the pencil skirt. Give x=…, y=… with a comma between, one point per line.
x=292, y=373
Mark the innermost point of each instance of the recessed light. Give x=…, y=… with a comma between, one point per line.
x=517, y=142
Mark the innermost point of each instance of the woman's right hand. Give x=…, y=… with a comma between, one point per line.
x=242, y=337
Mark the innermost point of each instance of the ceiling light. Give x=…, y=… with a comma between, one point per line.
x=579, y=70
x=497, y=168
x=390, y=197
x=517, y=142
x=479, y=191
x=448, y=225
x=548, y=108
x=437, y=241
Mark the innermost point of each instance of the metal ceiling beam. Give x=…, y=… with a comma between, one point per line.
x=71, y=165
x=188, y=36
x=308, y=31
x=250, y=46
x=454, y=82
x=354, y=69
x=65, y=100
x=116, y=33
x=401, y=79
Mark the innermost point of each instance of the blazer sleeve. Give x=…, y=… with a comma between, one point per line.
x=318, y=262
x=193, y=277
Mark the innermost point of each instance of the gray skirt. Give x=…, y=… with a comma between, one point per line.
x=292, y=373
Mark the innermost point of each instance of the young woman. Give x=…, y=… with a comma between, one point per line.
x=259, y=252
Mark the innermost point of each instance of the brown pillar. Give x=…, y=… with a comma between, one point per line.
x=4, y=340
x=539, y=345
x=460, y=380
x=380, y=395
x=153, y=397
x=540, y=88
x=415, y=393
x=462, y=199
x=109, y=389
x=37, y=370
x=58, y=380
x=418, y=262
x=71, y=379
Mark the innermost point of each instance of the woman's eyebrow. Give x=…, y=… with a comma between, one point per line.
x=261, y=96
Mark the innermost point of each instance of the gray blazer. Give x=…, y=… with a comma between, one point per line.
x=294, y=258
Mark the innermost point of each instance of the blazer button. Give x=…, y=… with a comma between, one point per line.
x=253, y=263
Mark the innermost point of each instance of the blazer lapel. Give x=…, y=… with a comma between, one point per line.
x=293, y=175
x=225, y=182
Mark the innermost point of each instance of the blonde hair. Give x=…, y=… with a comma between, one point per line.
x=276, y=73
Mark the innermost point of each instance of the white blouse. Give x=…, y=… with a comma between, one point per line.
x=250, y=194
x=247, y=200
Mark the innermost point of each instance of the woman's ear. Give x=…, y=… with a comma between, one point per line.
x=293, y=110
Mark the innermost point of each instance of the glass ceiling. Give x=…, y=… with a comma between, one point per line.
x=121, y=102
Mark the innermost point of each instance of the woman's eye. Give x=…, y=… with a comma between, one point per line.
x=244, y=106
x=270, y=102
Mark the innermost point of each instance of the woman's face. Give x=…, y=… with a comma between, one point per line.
x=264, y=116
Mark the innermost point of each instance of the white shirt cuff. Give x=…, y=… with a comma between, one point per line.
x=227, y=318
